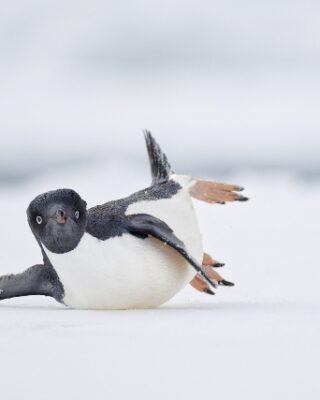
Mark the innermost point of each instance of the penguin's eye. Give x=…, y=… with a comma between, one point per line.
x=39, y=220
x=77, y=214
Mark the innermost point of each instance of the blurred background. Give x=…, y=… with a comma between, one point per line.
x=224, y=86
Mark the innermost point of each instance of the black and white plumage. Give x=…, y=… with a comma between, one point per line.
x=135, y=252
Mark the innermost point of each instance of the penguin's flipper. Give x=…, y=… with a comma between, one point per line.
x=143, y=225
x=215, y=192
x=36, y=280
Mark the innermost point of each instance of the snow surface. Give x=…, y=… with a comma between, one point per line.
x=258, y=340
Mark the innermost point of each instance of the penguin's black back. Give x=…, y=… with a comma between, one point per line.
x=109, y=220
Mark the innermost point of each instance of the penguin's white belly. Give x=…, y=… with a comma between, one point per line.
x=127, y=272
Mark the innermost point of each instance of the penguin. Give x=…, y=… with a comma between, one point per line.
x=133, y=253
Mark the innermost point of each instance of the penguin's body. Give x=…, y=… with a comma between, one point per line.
x=136, y=252
x=124, y=271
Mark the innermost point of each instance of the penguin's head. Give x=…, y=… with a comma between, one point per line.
x=58, y=219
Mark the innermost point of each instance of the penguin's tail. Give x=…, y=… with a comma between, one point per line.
x=208, y=191
x=160, y=166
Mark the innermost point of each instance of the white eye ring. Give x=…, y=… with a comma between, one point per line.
x=39, y=220
x=77, y=214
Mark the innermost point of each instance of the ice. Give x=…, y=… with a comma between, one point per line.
x=257, y=340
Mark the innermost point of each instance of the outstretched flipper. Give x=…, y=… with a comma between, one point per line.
x=143, y=225
x=36, y=280
x=214, y=192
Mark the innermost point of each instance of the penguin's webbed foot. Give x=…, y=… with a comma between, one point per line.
x=200, y=283
x=216, y=192
x=209, y=261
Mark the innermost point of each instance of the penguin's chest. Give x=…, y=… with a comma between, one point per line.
x=128, y=272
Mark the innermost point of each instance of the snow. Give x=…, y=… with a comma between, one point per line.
x=258, y=340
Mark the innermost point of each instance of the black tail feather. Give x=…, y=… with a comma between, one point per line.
x=160, y=167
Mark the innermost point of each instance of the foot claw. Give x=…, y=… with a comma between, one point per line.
x=239, y=197
x=218, y=265
x=223, y=282
x=209, y=291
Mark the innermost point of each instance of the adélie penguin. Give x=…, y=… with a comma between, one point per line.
x=136, y=252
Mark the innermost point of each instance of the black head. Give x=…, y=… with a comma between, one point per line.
x=58, y=219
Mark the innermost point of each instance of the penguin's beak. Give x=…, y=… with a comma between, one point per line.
x=60, y=216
